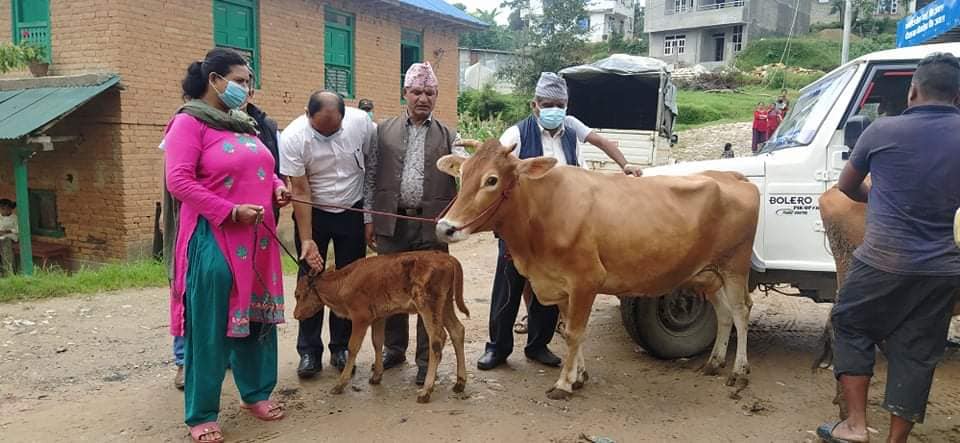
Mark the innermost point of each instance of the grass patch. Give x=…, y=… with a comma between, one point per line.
x=56, y=283
x=699, y=108
x=811, y=52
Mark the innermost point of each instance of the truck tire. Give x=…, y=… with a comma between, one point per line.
x=673, y=326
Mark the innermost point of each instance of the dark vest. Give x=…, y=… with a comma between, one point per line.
x=439, y=189
x=268, y=133
x=531, y=144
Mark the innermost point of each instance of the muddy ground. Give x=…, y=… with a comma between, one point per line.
x=99, y=369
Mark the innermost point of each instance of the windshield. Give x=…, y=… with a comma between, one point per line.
x=803, y=121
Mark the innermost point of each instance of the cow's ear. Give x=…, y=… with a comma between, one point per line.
x=451, y=164
x=536, y=167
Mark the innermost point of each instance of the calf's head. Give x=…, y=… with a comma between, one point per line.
x=308, y=296
x=487, y=180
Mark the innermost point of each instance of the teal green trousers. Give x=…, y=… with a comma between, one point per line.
x=253, y=359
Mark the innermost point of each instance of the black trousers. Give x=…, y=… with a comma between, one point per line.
x=408, y=236
x=504, y=306
x=909, y=315
x=345, y=229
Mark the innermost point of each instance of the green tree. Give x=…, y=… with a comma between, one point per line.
x=494, y=37
x=552, y=40
x=638, y=17
x=865, y=20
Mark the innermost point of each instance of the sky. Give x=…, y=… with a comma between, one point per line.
x=489, y=4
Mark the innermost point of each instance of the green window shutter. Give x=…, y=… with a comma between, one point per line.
x=411, y=51
x=31, y=23
x=338, y=52
x=235, y=26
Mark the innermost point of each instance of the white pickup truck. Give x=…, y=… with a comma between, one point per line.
x=801, y=161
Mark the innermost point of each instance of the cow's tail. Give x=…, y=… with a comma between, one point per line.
x=458, y=289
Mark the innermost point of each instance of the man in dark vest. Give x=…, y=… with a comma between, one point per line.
x=403, y=179
x=547, y=132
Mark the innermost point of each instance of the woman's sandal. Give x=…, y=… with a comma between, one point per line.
x=521, y=326
x=202, y=433
x=266, y=410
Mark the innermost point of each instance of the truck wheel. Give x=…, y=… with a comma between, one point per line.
x=672, y=326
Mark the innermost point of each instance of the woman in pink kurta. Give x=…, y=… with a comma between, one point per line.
x=227, y=291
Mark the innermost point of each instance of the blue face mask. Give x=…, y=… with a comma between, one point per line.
x=552, y=118
x=233, y=96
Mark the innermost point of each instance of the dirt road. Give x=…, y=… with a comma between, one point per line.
x=99, y=369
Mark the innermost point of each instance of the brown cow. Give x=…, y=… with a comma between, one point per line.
x=368, y=291
x=575, y=233
x=845, y=223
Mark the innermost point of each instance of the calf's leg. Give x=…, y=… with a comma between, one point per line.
x=359, y=329
x=577, y=314
x=457, y=333
x=376, y=337
x=438, y=336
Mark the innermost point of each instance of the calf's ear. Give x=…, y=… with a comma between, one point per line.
x=450, y=164
x=536, y=167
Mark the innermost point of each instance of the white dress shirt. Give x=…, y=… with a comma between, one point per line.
x=552, y=145
x=9, y=223
x=334, y=166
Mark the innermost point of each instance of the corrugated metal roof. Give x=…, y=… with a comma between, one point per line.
x=443, y=8
x=29, y=105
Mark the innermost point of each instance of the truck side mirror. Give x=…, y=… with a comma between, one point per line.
x=853, y=129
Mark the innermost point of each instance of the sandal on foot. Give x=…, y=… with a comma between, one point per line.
x=825, y=432
x=521, y=326
x=266, y=410
x=202, y=433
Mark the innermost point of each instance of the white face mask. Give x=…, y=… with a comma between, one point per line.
x=327, y=138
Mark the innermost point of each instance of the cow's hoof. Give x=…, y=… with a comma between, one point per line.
x=738, y=381
x=337, y=390
x=710, y=368
x=558, y=394
x=423, y=398
x=375, y=380
x=461, y=384
x=584, y=377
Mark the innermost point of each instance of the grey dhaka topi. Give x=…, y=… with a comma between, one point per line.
x=551, y=86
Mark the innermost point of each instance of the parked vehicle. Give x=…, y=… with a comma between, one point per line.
x=802, y=160
x=628, y=99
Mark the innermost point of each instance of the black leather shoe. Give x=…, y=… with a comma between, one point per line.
x=544, y=357
x=421, y=375
x=393, y=359
x=309, y=366
x=490, y=360
x=339, y=360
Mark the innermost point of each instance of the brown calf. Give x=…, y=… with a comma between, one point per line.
x=370, y=290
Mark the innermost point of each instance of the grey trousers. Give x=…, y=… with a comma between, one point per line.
x=407, y=237
x=6, y=255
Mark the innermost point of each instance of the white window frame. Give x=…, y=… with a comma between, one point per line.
x=674, y=44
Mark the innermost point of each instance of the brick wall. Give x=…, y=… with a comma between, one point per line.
x=108, y=212
x=86, y=177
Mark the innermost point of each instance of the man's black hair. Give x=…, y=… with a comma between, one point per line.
x=324, y=98
x=938, y=77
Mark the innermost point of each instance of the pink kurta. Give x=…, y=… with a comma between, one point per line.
x=210, y=171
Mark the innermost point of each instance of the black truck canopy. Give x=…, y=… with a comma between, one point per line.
x=620, y=92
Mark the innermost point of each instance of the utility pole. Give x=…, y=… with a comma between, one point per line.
x=847, y=24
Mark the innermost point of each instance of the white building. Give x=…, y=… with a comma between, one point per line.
x=604, y=17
